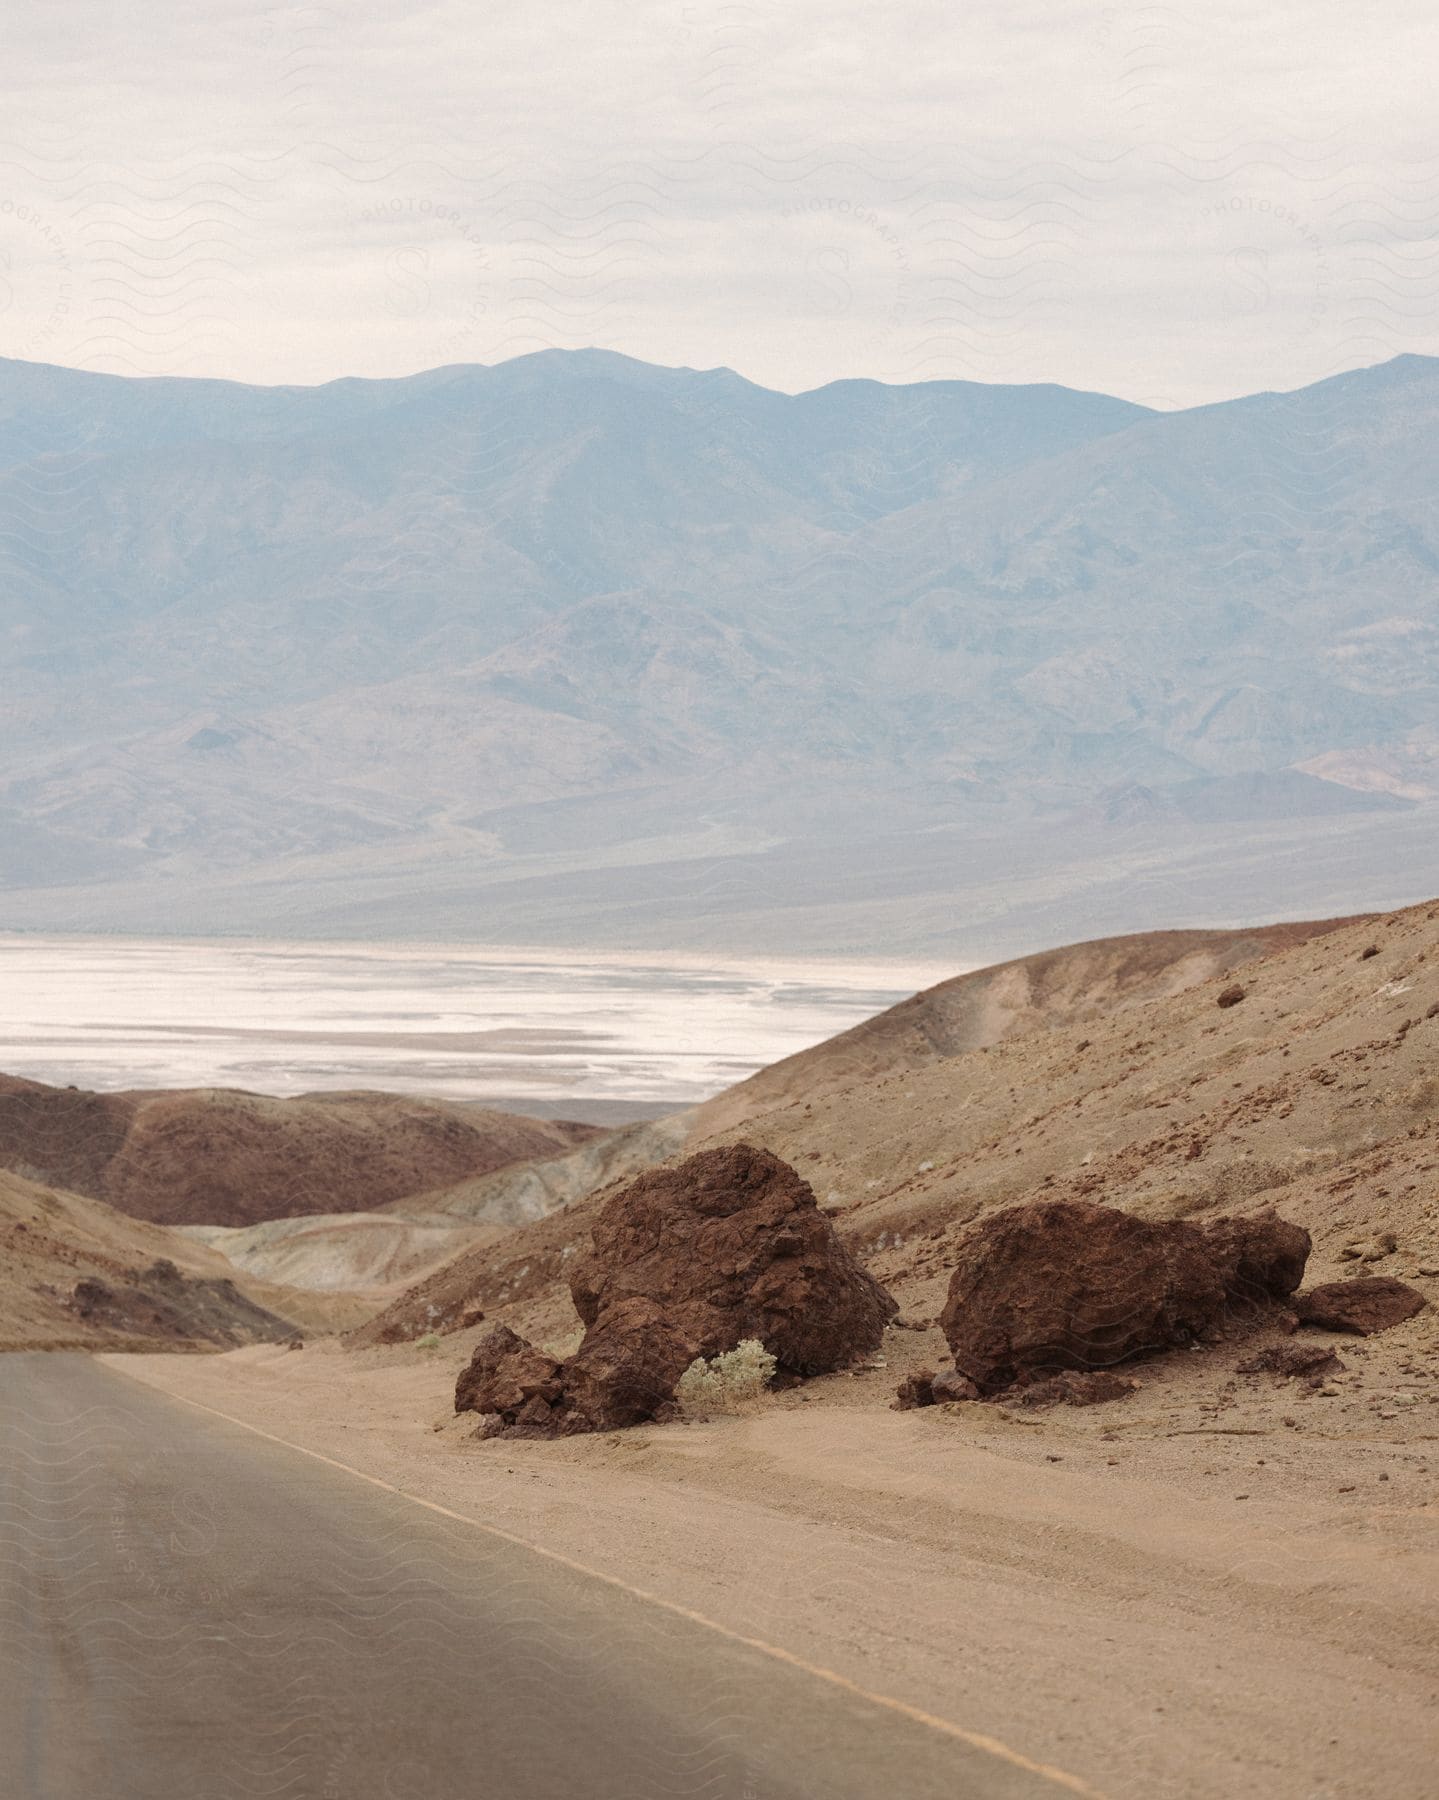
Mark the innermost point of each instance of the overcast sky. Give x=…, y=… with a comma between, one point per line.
x=1173, y=203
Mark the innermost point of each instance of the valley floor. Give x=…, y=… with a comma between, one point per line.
x=1208, y=1589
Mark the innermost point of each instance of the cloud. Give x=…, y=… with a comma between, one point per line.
x=1172, y=203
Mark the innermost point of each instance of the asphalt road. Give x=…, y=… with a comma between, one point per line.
x=189, y=1612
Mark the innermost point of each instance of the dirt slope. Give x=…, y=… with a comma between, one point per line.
x=1068, y=986
x=222, y=1157
x=52, y=1242
x=1316, y=1093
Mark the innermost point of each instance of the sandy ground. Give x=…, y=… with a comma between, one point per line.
x=1219, y=1586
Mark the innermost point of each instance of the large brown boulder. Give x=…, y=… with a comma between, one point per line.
x=1069, y=1284
x=731, y=1245
x=624, y=1372
x=686, y=1262
x=1363, y=1306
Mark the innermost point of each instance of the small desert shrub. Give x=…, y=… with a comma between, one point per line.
x=727, y=1381
x=430, y=1341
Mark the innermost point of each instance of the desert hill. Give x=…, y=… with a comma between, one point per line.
x=222, y=1157
x=1067, y=986
x=76, y=1274
x=1313, y=1090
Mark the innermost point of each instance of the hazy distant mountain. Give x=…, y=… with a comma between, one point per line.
x=579, y=648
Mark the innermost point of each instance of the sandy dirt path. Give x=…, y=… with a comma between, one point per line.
x=1200, y=1615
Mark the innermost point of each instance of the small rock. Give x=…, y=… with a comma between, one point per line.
x=1375, y=1249
x=1363, y=1306
x=1289, y=1360
x=914, y=1390
x=1230, y=996
x=1075, y=1388
x=949, y=1384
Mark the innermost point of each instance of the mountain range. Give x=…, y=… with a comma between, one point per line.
x=578, y=649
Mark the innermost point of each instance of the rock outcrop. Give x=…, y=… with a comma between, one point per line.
x=1363, y=1306
x=1072, y=1285
x=730, y=1245
x=172, y=1308
x=686, y=1262
x=627, y=1367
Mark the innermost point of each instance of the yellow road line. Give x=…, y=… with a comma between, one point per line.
x=976, y=1740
